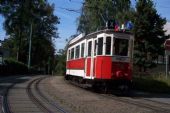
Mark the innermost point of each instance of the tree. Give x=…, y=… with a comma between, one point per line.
x=19, y=15
x=95, y=14
x=149, y=34
x=60, y=62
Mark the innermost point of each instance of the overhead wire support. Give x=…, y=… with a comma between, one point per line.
x=71, y=10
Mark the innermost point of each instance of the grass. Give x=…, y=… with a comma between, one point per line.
x=152, y=83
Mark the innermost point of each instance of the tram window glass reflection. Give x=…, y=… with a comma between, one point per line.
x=121, y=47
x=72, y=53
x=108, y=45
x=77, y=51
x=82, y=50
x=89, y=48
x=100, y=46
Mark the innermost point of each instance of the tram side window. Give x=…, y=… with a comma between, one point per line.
x=82, y=50
x=77, y=51
x=95, y=47
x=72, y=53
x=108, y=45
x=100, y=46
x=121, y=47
x=89, y=48
x=69, y=55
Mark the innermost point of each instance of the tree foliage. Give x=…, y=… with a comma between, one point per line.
x=149, y=34
x=19, y=15
x=95, y=13
x=60, y=62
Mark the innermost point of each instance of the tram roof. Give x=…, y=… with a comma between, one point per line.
x=94, y=34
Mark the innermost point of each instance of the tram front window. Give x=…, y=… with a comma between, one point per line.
x=121, y=47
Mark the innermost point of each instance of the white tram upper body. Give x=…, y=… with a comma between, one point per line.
x=102, y=55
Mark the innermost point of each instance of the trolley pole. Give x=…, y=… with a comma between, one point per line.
x=30, y=44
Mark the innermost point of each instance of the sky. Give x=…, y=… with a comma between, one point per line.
x=68, y=19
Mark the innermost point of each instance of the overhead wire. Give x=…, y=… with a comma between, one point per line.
x=77, y=2
x=69, y=9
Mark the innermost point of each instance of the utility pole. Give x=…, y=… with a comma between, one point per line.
x=30, y=44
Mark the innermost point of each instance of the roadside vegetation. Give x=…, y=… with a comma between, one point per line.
x=13, y=67
x=60, y=63
x=157, y=83
x=31, y=27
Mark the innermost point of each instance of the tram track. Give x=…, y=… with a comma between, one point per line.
x=156, y=106
x=5, y=104
x=39, y=102
x=42, y=101
x=143, y=103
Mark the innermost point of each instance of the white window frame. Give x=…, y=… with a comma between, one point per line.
x=84, y=49
x=100, y=36
x=122, y=37
x=111, y=51
x=95, y=39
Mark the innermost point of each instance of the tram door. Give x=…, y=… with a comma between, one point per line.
x=88, y=67
x=94, y=58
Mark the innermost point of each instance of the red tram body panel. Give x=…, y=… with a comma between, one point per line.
x=103, y=55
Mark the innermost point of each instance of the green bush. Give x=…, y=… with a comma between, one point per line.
x=13, y=67
x=154, y=84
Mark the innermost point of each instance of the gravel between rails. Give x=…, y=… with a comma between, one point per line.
x=78, y=100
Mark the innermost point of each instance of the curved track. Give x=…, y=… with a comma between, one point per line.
x=35, y=96
x=39, y=102
x=143, y=103
x=5, y=105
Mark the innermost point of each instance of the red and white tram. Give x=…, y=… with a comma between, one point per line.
x=104, y=55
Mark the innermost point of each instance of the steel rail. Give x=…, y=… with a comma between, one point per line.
x=128, y=101
x=54, y=104
x=5, y=104
x=34, y=98
x=137, y=103
x=35, y=84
